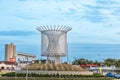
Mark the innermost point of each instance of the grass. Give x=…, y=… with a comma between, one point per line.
x=1, y=73
x=55, y=67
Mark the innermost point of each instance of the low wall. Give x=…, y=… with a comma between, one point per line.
x=56, y=72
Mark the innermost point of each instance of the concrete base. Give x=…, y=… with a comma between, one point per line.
x=55, y=60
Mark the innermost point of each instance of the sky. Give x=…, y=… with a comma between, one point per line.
x=93, y=22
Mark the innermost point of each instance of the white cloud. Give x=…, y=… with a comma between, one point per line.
x=92, y=18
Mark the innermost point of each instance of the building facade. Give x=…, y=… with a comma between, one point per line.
x=23, y=59
x=6, y=66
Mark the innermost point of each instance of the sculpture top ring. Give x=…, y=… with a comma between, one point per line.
x=54, y=28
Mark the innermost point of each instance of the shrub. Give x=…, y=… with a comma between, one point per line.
x=12, y=74
x=97, y=75
x=9, y=74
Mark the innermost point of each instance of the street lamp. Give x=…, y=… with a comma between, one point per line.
x=27, y=68
x=15, y=67
x=15, y=70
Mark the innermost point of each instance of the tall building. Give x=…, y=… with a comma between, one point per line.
x=54, y=42
x=10, y=51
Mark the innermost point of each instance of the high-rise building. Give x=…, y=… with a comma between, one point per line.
x=54, y=42
x=10, y=51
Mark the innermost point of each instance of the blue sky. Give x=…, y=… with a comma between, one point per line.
x=92, y=22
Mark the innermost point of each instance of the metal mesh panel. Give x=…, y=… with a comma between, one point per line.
x=53, y=43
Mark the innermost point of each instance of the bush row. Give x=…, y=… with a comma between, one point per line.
x=37, y=78
x=12, y=74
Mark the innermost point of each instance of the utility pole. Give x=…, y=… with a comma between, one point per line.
x=15, y=67
x=27, y=68
x=15, y=70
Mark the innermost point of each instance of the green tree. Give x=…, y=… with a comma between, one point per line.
x=83, y=61
x=111, y=62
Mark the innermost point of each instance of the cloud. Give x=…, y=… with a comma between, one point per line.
x=91, y=16
x=9, y=41
x=94, y=18
x=27, y=17
x=99, y=10
x=118, y=33
x=22, y=0
x=71, y=11
x=106, y=2
x=17, y=33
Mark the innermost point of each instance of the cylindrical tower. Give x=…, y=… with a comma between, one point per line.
x=7, y=50
x=10, y=51
x=54, y=42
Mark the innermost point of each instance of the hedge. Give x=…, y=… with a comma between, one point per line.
x=33, y=78
x=12, y=74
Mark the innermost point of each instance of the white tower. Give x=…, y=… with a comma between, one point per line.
x=54, y=42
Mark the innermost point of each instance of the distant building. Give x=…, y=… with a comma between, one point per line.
x=22, y=59
x=24, y=56
x=10, y=51
x=89, y=65
x=7, y=66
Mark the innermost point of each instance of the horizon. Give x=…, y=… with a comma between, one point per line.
x=95, y=52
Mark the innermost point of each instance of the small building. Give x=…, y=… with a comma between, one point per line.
x=22, y=59
x=7, y=66
x=25, y=56
x=89, y=65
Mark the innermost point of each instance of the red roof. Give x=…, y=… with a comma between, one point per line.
x=89, y=65
x=7, y=62
x=12, y=60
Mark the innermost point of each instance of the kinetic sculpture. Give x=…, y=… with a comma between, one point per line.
x=54, y=42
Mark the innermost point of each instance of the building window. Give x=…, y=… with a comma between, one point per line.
x=2, y=68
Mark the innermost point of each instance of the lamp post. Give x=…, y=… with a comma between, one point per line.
x=15, y=70
x=27, y=68
x=15, y=67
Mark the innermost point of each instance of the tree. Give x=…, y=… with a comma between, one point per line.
x=83, y=61
x=107, y=62
x=112, y=62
